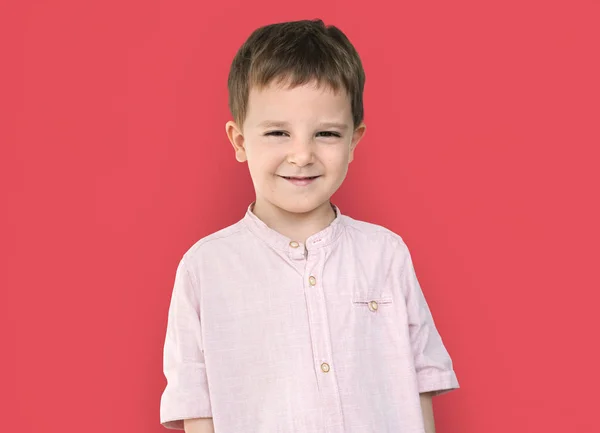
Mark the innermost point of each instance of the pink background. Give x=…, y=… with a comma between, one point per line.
x=481, y=151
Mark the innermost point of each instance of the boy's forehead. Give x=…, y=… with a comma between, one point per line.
x=276, y=99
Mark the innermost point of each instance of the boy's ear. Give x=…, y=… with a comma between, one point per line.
x=357, y=135
x=234, y=133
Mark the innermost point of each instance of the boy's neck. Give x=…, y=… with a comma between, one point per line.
x=296, y=226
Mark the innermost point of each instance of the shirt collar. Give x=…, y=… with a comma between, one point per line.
x=293, y=247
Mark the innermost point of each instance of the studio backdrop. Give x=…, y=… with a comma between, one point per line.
x=481, y=151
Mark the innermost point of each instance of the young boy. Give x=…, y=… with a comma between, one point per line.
x=298, y=318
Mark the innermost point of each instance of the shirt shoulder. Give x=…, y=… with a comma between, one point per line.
x=218, y=242
x=373, y=234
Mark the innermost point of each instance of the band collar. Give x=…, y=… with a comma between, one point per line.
x=293, y=247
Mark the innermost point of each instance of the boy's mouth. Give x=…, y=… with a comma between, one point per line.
x=300, y=180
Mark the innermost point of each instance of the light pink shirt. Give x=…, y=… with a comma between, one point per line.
x=334, y=335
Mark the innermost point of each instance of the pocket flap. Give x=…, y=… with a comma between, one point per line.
x=373, y=304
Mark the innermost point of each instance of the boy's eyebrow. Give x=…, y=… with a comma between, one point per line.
x=280, y=124
x=342, y=126
x=272, y=124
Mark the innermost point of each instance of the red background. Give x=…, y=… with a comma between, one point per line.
x=481, y=151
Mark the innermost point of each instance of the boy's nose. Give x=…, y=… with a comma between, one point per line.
x=301, y=153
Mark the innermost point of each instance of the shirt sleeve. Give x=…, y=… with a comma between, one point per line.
x=186, y=393
x=433, y=364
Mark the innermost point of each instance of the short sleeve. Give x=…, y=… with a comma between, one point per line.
x=433, y=364
x=186, y=393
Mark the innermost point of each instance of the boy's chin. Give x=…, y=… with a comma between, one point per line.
x=302, y=207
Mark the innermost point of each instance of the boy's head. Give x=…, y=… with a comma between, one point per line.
x=296, y=97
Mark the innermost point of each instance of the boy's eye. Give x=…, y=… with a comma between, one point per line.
x=330, y=134
x=275, y=133
x=322, y=134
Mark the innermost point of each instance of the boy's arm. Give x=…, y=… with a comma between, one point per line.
x=427, y=409
x=186, y=395
x=432, y=362
x=199, y=425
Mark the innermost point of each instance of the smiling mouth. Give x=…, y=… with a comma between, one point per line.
x=299, y=177
x=300, y=181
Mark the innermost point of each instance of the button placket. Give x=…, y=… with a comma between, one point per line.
x=319, y=330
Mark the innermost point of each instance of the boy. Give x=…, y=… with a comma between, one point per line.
x=298, y=318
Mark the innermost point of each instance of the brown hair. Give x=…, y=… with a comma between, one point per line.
x=296, y=52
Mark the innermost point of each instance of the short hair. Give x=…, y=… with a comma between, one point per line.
x=297, y=53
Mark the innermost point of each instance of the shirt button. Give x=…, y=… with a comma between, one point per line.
x=373, y=306
x=325, y=367
x=312, y=280
x=294, y=244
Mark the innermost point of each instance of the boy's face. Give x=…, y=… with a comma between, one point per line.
x=298, y=143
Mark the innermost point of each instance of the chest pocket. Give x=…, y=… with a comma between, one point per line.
x=376, y=300
x=374, y=304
